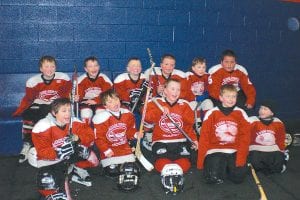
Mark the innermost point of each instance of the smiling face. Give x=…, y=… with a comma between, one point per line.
x=172, y=91
x=265, y=112
x=228, y=98
x=92, y=67
x=134, y=67
x=228, y=63
x=48, y=68
x=199, y=68
x=113, y=104
x=167, y=66
x=63, y=114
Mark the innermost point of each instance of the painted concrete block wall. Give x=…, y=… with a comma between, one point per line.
x=115, y=30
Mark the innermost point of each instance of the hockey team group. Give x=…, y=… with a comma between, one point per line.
x=70, y=125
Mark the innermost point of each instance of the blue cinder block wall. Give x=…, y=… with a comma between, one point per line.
x=114, y=30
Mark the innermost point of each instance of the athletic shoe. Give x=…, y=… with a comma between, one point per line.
x=81, y=176
x=24, y=152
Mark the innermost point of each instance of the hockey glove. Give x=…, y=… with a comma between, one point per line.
x=57, y=196
x=83, y=152
x=65, y=150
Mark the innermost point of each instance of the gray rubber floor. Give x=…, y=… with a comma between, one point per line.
x=17, y=182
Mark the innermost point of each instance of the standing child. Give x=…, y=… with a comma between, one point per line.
x=131, y=86
x=56, y=149
x=90, y=86
x=165, y=72
x=267, y=147
x=224, y=140
x=114, y=128
x=229, y=72
x=197, y=80
x=41, y=90
x=169, y=146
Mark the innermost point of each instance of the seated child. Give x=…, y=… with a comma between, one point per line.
x=90, y=86
x=114, y=128
x=267, y=147
x=224, y=140
x=41, y=90
x=57, y=146
x=169, y=145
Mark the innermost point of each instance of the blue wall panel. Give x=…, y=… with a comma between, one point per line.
x=115, y=30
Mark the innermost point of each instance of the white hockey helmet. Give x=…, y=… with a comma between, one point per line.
x=32, y=157
x=172, y=178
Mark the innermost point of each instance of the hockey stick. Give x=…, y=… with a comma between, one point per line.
x=260, y=188
x=151, y=62
x=75, y=79
x=138, y=153
x=173, y=122
x=196, y=117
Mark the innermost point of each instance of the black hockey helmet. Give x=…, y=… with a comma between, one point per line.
x=46, y=181
x=129, y=176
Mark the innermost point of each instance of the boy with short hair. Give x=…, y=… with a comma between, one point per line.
x=197, y=80
x=114, y=129
x=56, y=148
x=169, y=145
x=41, y=90
x=165, y=72
x=267, y=147
x=131, y=85
x=229, y=72
x=224, y=140
x=90, y=86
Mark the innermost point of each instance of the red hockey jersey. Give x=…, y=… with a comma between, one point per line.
x=38, y=91
x=47, y=136
x=225, y=134
x=267, y=137
x=238, y=77
x=164, y=130
x=92, y=88
x=196, y=85
x=158, y=78
x=123, y=85
x=113, y=133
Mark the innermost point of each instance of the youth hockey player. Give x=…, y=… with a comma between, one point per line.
x=267, y=147
x=224, y=140
x=131, y=86
x=90, y=86
x=114, y=129
x=57, y=148
x=169, y=146
x=41, y=90
x=165, y=72
x=229, y=72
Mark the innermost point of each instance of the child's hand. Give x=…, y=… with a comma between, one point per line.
x=160, y=89
x=110, y=154
x=249, y=106
x=195, y=145
x=166, y=110
x=76, y=98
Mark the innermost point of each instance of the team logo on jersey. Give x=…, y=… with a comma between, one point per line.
x=226, y=132
x=116, y=134
x=168, y=127
x=92, y=92
x=232, y=81
x=59, y=142
x=48, y=95
x=265, y=137
x=197, y=88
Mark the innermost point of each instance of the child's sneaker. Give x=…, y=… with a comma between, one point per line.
x=24, y=152
x=81, y=176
